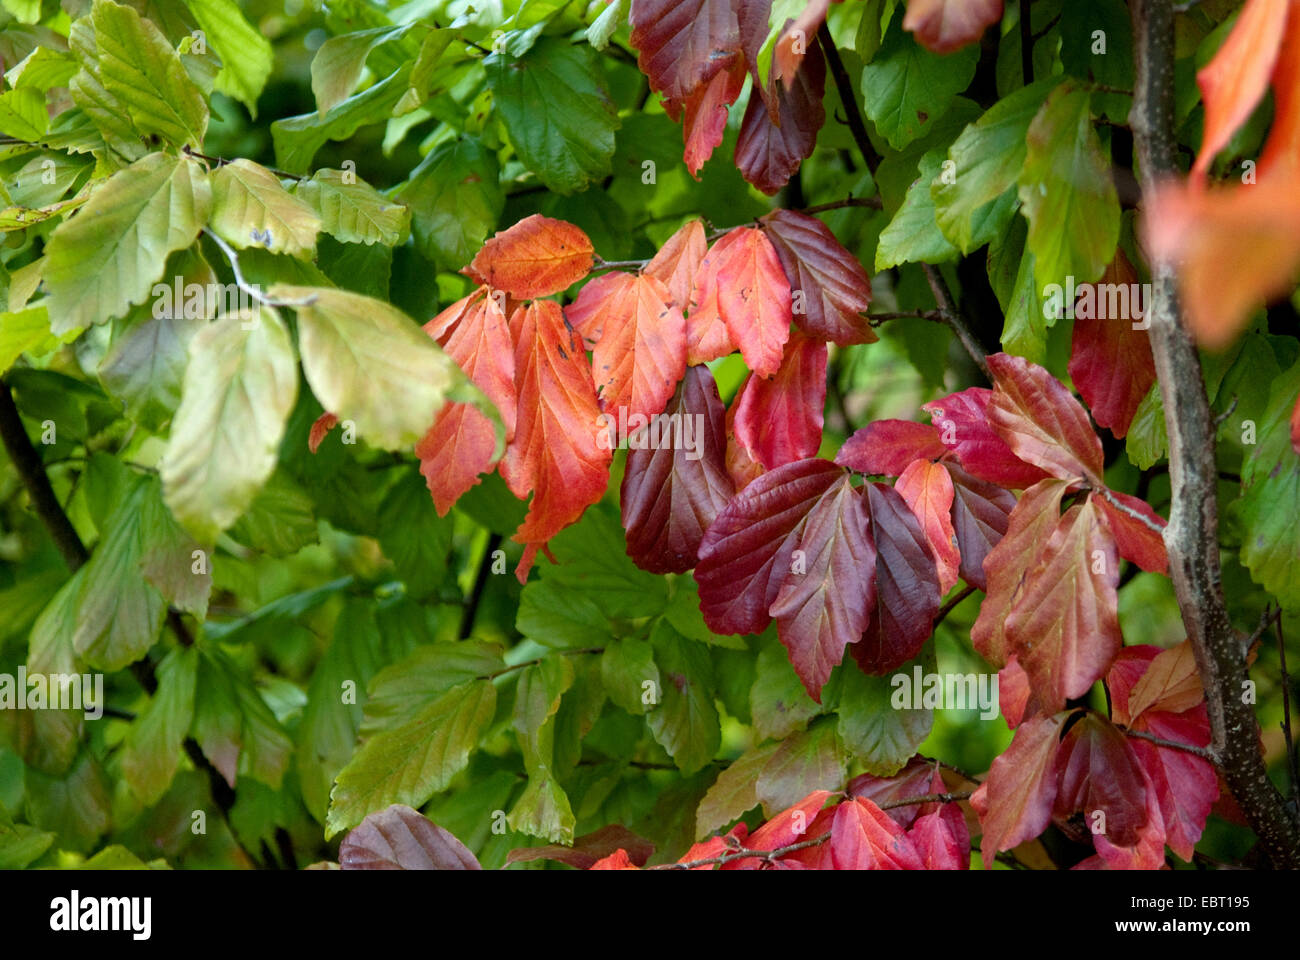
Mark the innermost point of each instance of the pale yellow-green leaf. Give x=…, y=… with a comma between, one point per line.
x=107, y=258
x=245, y=51
x=239, y=388
x=353, y=211
x=22, y=114
x=21, y=331
x=369, y=362
x=250, y=208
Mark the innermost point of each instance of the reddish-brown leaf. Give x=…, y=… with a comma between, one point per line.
x=863, y=837
x=536, y=257
x=1098, y=772
x=560, y=451
x=704, y=114
x=779, y=419
x=962, y=420
x=677, y=262
x=831, y=289
x=745, y=556
x=942, y=839
x=799, y=35
x=943, y=26
x=1015, y=800
x=1233, y=83
x=320, y=428
x=640, y=342
x=1136, y=541
x=907, y=585
x=980, y=513
x=682, y=43
x=1028, y=528
x=1040, y=421
x=916, y=779
x=886, y=447
x=1014, y=696
x=1295, y=428
x=461, y=443
x=826, y=596
x=787, y=827
x=1064, y=626
x=769, y=151
x=1110, y=362
x=928, y=489
x=400, y=838
x=741, y=283
x=672, y=492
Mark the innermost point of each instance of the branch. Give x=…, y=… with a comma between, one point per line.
x=1192, y=534
x=952, y=316
x=844, y=86
x=1202, y=752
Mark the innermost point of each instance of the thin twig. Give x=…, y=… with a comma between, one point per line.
x=252, y=291
x=222, y=161
x=951, y=315
x=948, y=607
x=874, y=203
x=1124, y=508
x=844, y=86
x=934, y=316
x=1286, y=709
x=1203, y=752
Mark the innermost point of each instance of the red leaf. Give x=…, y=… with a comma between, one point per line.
x=942, y=839
x=618, y=860
x=779, y=419
x=1064, y=625
x=907, y=585
x=715, y=846
x=704, y=120
x=886, y=447
x=1110, y=362
x=400, y=838
x=962, y=420
x=1185, y=785
x=460, y=444
x=787, y=827
x=980, y=513
x=1014, y=696
x=1137, y=542
x=741, y=282
x=677, y=261
x=1233, y=83
x=536, y=257
x=1099, y=773
x=943, y=26
x=613, y=842
x=320, y=428
x=745, y=554
x=640, y=340
x=672, y=493
x=927, y=487
x=1295, y=428
x=824, y=602
x=834, y=287
x=768, y=151
x=916, y=779
x=1040, y=421
x=683, y=42
x=560, y=452
x=1028, y=529
x=1147, y=853
x=741, y=465
x=863, y=837
x=1015, y=800
x=799, y=35
x=1129, y=666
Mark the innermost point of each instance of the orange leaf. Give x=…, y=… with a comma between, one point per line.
x=705, y=120
x=1282, y=149
x=927, y=488
x=796, y=40
x=742, y=283
x=320, y=429
x=1233, y=83
x=640, y=342
x=943, y=26
x=536, y=257
x=677, y=262
x=560, y=451
x=1170, y=683
x=459, y=446
x=1234, y=248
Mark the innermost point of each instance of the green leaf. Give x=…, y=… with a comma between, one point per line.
x=559, y=616
x=233, y=725
x=399, y=692
x=812, y=759
x=132, y=81
x=353, y=211
x=152, y=750
x=985, y=164
x=411, y=763
x=906, y=88
x=22, y=114
x=246, y=57
x=171, y=559
x=106, y=259
x=297, y=139
x=1012, y=276
x=251, y=208
x=543, y=810
x=537, y=700
x=1068, y=193
x=591, y=558
x=20, y=331
x=778, y=701
x=913, y=236
x=77, y=806
x=556, y=109
x=876, y=733
x=21, y=845
x=280, y=521
x=683, y=612
x=607, y=24
x=626, y=667
x=456, y=199
x=1270, y=504
x=339, y=62
x=413, y=536
x=239, y=389
x=367, y=361
x=734, y=793
x=1148, y=437
x=685, y=721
